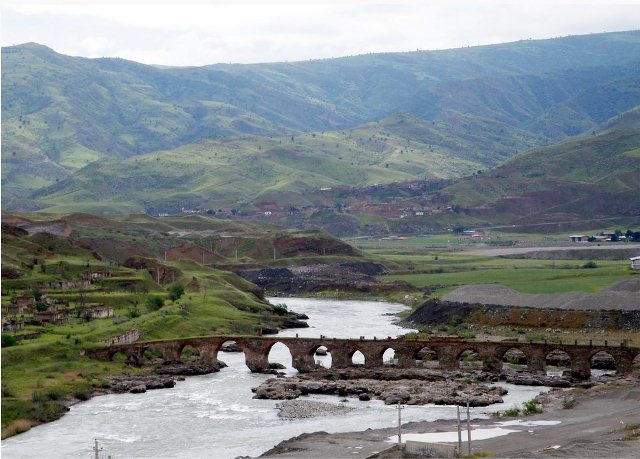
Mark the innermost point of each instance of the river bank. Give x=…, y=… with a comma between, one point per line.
x=602, y=421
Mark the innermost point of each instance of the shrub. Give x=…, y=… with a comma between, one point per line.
x=155, y=302
x=6, y=392
x=176, y=291
x=590, y=265
x=281, y=309
x=8, y=340
x=513, y=412
x=531, y=407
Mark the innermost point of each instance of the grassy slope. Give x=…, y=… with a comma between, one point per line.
x=217, y=173
x=61, y=113
x=591, y=175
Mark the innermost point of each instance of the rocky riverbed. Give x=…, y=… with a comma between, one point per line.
x=300, y=409
x=391, y=386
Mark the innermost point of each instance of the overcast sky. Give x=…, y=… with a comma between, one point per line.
x=172, y=33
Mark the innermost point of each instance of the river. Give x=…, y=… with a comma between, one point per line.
x=215, y=415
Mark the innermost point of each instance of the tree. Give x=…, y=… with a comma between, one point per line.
x=155, y=302
x=176, y=291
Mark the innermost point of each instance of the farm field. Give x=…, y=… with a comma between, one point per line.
x=445, y=271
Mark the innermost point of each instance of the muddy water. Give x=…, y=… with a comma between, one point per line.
x=215, y=415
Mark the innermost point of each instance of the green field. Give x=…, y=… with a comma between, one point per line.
x=451, y=270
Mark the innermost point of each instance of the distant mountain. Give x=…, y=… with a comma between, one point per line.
x=595, y=176
x=61, y=113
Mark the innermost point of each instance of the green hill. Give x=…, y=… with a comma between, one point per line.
x=587, y=177
x=61, y=113
x=251, y=170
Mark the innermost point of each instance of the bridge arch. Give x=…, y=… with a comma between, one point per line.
x=602, y=362
x=321, y=355
x=188, y=353
x=557, y=360
x=515, y=358
x=123, y=356
x=389, y=357
x=357, y=358
x=279, y=356
x=469, y=358
x=152, y=354
x=427, y=357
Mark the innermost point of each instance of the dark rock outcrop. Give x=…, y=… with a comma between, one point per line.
x=356, y=276
x=436, y=312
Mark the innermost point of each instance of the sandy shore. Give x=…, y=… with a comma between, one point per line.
x=592, y=428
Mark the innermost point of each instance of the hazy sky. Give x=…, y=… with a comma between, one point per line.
x=198, y=33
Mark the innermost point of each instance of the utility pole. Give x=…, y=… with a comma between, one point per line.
x=468, y=431
x=459, y=430
x=274, y=253
x=399, y=425
x=96, y=450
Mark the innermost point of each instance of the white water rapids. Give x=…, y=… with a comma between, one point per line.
x=215, y=415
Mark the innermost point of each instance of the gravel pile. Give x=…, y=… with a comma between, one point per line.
x=298, y=409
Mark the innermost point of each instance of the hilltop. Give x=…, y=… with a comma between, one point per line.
x=61, y=114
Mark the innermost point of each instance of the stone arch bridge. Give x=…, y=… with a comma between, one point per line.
x=448, y=352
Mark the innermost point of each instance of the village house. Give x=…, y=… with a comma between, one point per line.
x=579, y=238
x=12, y=325
x=99, y=312
x=98, y=274
x=16, y=309
x=50, y=316
x=635, y=262
x=27, y=301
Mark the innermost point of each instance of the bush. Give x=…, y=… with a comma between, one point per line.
x=590, y=265
x=281, y=309
x=8, y=340
x=176, y=291
x=531, y=407
x=155, y=302
x=512, y=413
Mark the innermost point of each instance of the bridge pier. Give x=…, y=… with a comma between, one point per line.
x=171, y=352
x=303, y=361
x=405, y=358
x=624, y=364
x=208, y=352
x=536, y=361
x=580, y=367
x=492, y=364
x=340, y=357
